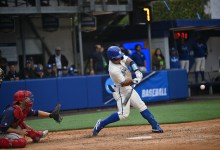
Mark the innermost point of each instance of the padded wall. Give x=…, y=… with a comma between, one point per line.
x=90, y=91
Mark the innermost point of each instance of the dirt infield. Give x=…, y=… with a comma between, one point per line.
x=196, y=135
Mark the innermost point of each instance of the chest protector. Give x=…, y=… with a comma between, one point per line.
x=18, y=115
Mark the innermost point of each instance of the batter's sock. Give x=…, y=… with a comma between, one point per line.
x=197, y=76
x=203, y=75
x=150, y=118
x=112, y=118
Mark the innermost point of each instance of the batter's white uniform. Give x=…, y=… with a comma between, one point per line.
x=119, y=73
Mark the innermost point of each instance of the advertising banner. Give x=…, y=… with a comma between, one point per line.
x=155, y=88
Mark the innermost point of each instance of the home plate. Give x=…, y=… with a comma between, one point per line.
x=139, y=137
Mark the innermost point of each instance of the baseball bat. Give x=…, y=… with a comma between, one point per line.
x=129, y=94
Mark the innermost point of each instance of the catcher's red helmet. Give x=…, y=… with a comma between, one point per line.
x=28, y=93
x=21, y=95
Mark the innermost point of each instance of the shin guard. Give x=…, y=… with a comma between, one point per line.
x=35, y=135
x=13, y=143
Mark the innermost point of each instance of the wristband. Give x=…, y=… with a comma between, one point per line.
x=134, y=66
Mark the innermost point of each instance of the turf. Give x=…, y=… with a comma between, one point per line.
x=168, y=113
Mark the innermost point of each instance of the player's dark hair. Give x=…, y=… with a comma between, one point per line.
x=137, y=46
x=115, y=59
x=155, y=53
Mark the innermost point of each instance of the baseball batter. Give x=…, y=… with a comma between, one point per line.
x=119, y=72
x=13, y=128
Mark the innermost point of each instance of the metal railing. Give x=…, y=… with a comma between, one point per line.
x=63, y=6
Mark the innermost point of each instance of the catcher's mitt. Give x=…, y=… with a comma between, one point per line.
x=55, y=114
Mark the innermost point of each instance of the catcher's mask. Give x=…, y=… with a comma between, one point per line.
x=26, y=96
x=29, y=100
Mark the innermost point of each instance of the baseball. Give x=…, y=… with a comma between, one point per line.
x=202, y=87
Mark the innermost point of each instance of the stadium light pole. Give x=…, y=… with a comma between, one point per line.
x=21, y=30
x=149, y=39
x=147, y=10
x=80, y=45
x=74, y=37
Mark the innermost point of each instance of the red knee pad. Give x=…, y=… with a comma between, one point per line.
x=16, y=143
x=4, y=143
x=19, y=143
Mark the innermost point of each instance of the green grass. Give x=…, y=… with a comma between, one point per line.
x=168, y=113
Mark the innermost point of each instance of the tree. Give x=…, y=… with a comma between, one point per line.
x=179, y=9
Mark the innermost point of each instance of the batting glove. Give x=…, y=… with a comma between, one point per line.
x=136, y=80
x=139, y=75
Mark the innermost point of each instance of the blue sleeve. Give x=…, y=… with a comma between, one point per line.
x=7, y=119
x=194, y=47
x=144, y=56
x=132, y=57
x=206, y=48
x=33, y=112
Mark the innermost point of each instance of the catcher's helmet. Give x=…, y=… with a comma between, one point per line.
x=26, y=97
x=21, y=95
x=114, y=52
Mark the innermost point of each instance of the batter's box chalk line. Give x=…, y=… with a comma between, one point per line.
x=139, y=137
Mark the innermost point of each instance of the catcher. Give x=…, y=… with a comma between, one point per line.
x=13, y=128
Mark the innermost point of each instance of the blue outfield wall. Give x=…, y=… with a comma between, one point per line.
x=92, y=91
x=7, y=91
x=72, y=92
x=44, y=91
x=178, y=84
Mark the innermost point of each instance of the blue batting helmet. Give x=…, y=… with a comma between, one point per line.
x=114, y=52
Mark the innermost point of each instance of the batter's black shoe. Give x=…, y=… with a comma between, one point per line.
x=157, y=129
x=97, y=128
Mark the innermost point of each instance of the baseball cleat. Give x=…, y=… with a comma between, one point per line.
x=158, y=129
x=45, y=133
x=42, y=135
x=97, y=128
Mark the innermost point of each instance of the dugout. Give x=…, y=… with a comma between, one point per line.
x=165, y=35
x=209, y=30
